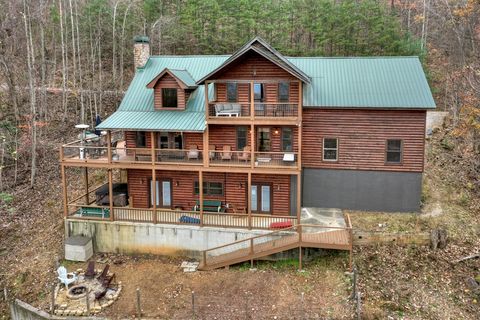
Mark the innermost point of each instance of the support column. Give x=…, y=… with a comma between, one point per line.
x=252, y=145
x=252, y=101
x=200, y=193
x=249, y=199
x=154, y=195
x=109, y=146
x=110, y=193
x=85, y=181
x=299, y=124
x=299, y=196
x=206, y=148
x=152, y=146
x=65, y=196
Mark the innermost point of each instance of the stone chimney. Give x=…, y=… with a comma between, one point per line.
x=141, y=51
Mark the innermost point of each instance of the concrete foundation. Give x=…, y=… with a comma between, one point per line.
x=146, y=238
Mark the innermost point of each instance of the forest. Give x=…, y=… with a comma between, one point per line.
x=83, y=48
x=63, y=62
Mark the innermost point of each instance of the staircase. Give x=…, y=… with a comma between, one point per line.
x=299, y=236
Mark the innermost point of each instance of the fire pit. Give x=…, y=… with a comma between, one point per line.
x=77, y=292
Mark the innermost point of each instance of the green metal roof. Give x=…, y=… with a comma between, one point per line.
x=184, y=76
x=377, y=82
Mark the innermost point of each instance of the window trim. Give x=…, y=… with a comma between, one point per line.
x=278, y=92
x=337, y=149
x=401, y=152
x=262, y=92
x=137, y=133
x=160, y=195
x=236, y=91
x=282, y=139
x=206, y=192
x=163, y=97
x=259, y=197
x=236, y=137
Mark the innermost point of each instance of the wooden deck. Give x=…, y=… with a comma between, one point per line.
x=300, y=236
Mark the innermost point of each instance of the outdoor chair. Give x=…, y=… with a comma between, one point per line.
x=192, y=153
x=228, y=109
x=245, y=155
x=226, y=153
x=90, y=273
x=65, y=277
x=211, y=151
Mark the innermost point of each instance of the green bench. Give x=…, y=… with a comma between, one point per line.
x=94, y=212
x=210, y=206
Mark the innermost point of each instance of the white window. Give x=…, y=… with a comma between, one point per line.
x=330, y=149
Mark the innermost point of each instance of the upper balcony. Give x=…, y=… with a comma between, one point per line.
x=260, y=101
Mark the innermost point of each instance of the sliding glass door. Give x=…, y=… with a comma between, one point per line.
x=163, y=193
x=261, y=198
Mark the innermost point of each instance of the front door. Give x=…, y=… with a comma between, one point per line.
x=261, y=198
x=163, y=193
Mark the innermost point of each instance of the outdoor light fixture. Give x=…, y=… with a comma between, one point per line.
x=276, y=131
x=176, y=183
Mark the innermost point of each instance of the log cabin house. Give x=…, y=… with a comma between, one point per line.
x=204, y=140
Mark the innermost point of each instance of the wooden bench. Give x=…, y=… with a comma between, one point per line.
x=94, y=212
x=210, y=206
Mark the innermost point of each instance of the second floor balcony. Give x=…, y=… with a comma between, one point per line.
x=258, y=100
x=99, y=151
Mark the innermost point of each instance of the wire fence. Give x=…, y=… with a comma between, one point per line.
x=248, y=306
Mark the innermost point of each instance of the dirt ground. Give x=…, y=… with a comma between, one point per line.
x=272, y=291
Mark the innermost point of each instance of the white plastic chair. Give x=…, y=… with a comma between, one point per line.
x=63, y=276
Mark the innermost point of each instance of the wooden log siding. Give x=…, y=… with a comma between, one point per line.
x=235, y=188
x=362, y=138
x=221, y=135
x=189, y=139
x=271, y=93
x=167, y=81
x=252, y=66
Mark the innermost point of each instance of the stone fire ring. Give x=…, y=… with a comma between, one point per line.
x=77, y=292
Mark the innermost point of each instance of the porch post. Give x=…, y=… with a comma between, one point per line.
x=299, y=125
x=299, y=196
x=110, y=192
x=200, y=193
x=154, y=194
x=152, y=146
x=109, y=146
x=252, y=101
x=207, y=107
x=85, y=180
x=65, y=197
x=206, y=148
x=249, y=204
x=252, y=127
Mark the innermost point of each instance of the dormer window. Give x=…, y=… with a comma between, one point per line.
x=171, y=89
x=169, y=98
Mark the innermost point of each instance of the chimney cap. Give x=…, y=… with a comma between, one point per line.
x=141, y=39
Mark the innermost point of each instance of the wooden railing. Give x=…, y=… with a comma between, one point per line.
x=230, y=158
x=301, y=235
x=276, y=159
x=167, y=216
x=261, y=109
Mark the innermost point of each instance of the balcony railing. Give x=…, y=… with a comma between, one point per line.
x=261, y=110
x=230, y=158
x=276, y=159
x=167, y=216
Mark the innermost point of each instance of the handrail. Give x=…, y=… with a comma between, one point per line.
x=251, y=238
x=298, y=226
x=83, y=195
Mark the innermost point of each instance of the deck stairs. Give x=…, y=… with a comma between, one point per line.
x=302, y=235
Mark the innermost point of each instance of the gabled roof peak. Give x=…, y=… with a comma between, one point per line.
x=182, y=76
x=264, y=49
